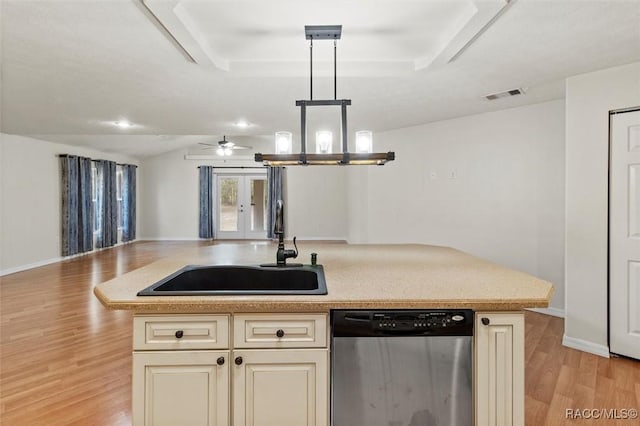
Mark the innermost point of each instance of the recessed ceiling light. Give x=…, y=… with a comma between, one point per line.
x=242, y=124
x=123, y=124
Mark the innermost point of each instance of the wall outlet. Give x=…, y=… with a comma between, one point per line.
x=453, y=174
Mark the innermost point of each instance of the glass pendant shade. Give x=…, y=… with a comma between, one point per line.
x=220, y=151
x=284, y=142
x=324, y=142
x=364, y=142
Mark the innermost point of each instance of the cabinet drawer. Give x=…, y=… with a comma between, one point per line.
x=280, y=330
x=175, y=332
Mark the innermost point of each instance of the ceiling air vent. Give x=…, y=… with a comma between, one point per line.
x=506, y=93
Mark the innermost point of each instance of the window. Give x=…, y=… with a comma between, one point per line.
x=94, y=198
x=119, y=185
x=108, y=202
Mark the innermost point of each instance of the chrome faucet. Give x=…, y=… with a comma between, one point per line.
x=283, y=254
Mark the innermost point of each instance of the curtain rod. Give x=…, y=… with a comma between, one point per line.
x=95, y=161
x=236, y=167
x=119, y=164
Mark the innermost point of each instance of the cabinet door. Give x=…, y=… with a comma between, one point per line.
x=280, y=387
x=180, y=388
x=499, y=369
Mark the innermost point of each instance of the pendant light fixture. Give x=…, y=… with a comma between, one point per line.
x=323, y=155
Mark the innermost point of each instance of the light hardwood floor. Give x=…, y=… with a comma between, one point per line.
x=66, y=360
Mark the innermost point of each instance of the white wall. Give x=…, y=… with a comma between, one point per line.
x=589, y=98
x=358, y=201
x=315, y=207
x=170, y=197
x=30, y=188
x=506, y=203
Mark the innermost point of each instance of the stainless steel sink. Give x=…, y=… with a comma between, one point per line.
x=238, y=280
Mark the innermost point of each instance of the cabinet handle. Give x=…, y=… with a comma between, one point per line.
x=238, y=360
x=280, y=333
x=220, y=360
x=179, y=334
x=485, y=321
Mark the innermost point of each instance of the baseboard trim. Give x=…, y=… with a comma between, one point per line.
x=323, y=239
x=173, y=239
x=21, y=268
x=301, y=239
x=585, y=346
x=555, y=312
x=46, y=262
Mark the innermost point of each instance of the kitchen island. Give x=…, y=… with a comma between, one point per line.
x=183, y=344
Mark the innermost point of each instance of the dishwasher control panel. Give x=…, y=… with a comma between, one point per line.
x=417, y=321
x=398, y=322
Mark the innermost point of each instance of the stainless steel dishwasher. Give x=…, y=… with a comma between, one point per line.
x=401, y=368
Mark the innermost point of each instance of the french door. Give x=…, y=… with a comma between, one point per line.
x=241, y=206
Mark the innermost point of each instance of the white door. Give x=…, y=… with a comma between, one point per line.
x=241, y=207
x=624, y=235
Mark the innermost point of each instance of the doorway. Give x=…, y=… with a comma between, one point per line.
x=241, y=206
x=624, y=233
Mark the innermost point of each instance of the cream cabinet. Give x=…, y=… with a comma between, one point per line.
x=180, y=332
x=240, y=370
x=280, y=374
x=280, y=387
x=181, y=388
x=181, y=370
x=499, y=368
x=280, y=331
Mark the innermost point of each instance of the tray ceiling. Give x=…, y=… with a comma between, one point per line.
x=70, y=68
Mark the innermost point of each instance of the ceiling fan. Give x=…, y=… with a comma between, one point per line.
x=223, y=147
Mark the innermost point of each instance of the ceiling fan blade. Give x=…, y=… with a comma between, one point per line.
x=206, y=144
x=240, y=147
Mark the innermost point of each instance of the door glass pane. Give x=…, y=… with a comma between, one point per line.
x=228, y=204
x=258, y=205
